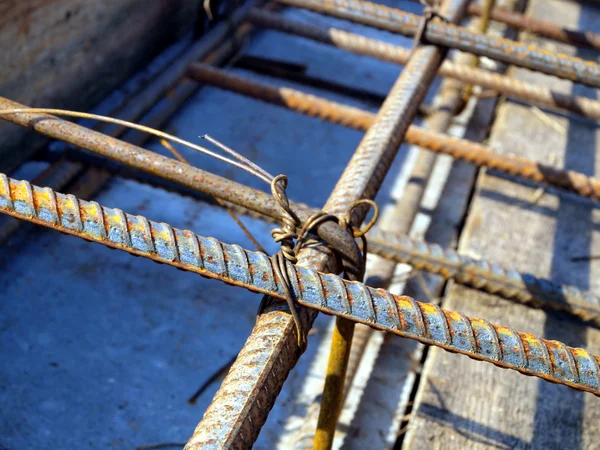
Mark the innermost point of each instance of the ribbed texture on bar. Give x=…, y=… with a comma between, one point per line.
x=505, y=50
x=477, y=154
x=514, y=88
x=401, y=315
x=486, y=276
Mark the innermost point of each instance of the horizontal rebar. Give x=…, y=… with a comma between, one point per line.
x=540, y=27
x=361, y=45
x=427, y=323
x=352, y=117
x=440, y=33
x=480, y=274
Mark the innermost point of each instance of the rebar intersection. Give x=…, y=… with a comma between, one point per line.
x=452, y=331
x=328, y=293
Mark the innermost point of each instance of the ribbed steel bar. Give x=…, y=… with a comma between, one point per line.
x=255, y=379
x=450, y=330
x=540, y=27
x=352, y=117
x=398, y=219
x=440, y=33
x=361, y=45
x=171, y=169
x=56, y=176
x=480, y=274
x=486, y=276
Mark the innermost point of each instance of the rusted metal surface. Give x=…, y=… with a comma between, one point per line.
x=439, y=33
x=172, y=170
x=450, y=330
x=477, y=154
x=399, y=219
x=56, y=176
x=486, y=276
x=361, y=45
x=273, y=340
x=540, y=27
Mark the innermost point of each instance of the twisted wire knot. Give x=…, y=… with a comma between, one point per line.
x=286, y=234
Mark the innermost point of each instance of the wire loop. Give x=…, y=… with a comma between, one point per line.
x=430, y=11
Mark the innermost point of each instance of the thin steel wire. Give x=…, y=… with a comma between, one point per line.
x=241, y=163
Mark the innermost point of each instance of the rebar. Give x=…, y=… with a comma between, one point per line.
x=540, y=27
x=272, y=341
x=361, y=45
x=440, y=33
x=486, y=276
x=172, y=170
x=356, y=118
x=56, y=176
x=480, y=274
x=401, y=315
x=400, y=219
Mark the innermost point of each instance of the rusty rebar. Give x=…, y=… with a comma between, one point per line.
x=401, y=315
x=399, y=219
x=441, y=33
x=56, y=176
x=361, y=45
x=486, y=276
x=352, y=117
x=250, y=389
x=480, y=274
x=540, y=27
x=172, y=170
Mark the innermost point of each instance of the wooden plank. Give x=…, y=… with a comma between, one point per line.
x=465, y=404
x=71, y=53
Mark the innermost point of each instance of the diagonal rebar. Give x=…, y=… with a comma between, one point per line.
x=241, y=406
x=401, y=315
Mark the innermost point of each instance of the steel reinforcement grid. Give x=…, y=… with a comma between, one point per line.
x=328, y=274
